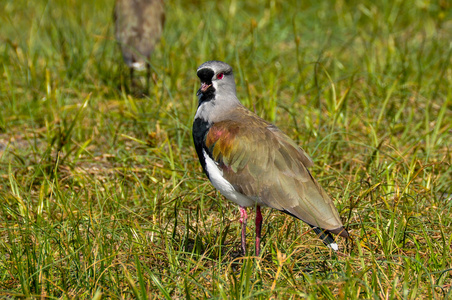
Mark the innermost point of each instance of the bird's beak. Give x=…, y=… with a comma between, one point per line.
x=205, y=86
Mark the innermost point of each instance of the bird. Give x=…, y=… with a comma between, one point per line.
x=138, y=28
x=253, y=163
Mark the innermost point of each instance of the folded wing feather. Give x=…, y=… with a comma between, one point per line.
x=262, y=162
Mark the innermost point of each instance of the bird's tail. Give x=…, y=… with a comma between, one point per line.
x=326, y=238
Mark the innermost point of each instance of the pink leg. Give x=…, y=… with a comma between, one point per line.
x=243, y=217
x=258, y=229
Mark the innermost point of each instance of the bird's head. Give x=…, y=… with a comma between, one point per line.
x=216, y=78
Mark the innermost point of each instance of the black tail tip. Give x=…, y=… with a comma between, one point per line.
x=327, y=238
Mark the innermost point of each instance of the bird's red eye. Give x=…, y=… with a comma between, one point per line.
x=220, y=76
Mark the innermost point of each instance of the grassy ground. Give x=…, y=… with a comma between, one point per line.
x=101, y=193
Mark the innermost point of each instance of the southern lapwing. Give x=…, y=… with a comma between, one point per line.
x=138, y=27
x=253, y=163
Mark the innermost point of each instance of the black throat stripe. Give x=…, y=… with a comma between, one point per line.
x=206, y=75
x=200, y=129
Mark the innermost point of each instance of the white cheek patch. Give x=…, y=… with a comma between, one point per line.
x=224, y=186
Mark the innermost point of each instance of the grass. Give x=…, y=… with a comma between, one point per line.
x=102, y=195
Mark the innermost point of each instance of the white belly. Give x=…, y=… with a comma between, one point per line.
x=224, y=186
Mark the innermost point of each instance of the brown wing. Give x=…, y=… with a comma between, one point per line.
x=261, y=161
